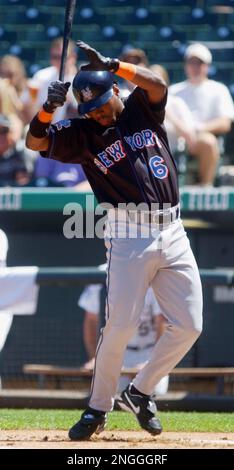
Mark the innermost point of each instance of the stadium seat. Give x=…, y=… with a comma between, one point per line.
x=51, y=15
x=172, y=3
x=15, y=49
x=220, y=2
x=33, y=68
x=6, y=35
x=35, y=34
x=231, y=89
x=175, y=71
x=142, y=13
x=197, y=16
x=224, y=72
x=224, y=32
x=53, y=32
x=108, y=31
x=165, y=54
x=5, y=46
x=168, y=10
x=87, y=15
x=91, y=32
x=143, y=34
x=119, y=16
x=224, y=55
x=108, y=47
x=192, y=32
x=230, y=19
x=13, y=3
x=51, y=3
x=13, y=14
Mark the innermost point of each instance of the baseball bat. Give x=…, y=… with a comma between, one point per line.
x=69, y=14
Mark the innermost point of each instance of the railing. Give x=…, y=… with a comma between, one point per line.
x=66, y=276
x=192, y=198
x=92, y=275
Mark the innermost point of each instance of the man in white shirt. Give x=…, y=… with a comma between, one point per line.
x=44, y=77
x=178, y=118
x=211, y=106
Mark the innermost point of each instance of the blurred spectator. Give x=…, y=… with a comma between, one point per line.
x=139, y=348
x=16, y=127
x=211, y=106
x=53, y=173
x=12, y=68
x=179, y=119
x=13, y=71
x=44, y=77
x=10, y=105
x=136, y=57
x=16, y=162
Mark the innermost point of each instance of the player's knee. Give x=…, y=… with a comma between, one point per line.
x=197, y=330
x=189, y=330
x=194, y=331
x=209, y=142
x=116, y=334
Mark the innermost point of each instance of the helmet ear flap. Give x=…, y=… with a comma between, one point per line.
x=86, y=116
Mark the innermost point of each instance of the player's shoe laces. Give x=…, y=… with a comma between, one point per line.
x=91, y=422
x=143, y=407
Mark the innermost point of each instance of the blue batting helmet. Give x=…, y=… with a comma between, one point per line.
x=92, y=89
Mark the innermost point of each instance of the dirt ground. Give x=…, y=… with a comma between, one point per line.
x=39, y=439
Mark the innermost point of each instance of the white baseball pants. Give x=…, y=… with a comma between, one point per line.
x=165, y=261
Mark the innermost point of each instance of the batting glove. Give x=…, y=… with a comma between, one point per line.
x=96, y=60
x=57, y=92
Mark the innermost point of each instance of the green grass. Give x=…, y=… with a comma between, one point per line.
x=63, y=419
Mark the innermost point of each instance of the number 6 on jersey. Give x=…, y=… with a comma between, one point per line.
x=159, y=170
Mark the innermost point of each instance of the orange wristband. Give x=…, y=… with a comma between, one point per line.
x=126, y=71
x=44, y=117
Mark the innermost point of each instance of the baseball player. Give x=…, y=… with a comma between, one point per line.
x=124, y=151
x=139, y=348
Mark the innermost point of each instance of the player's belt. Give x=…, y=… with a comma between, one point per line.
x=159, y=217
x=138, y=348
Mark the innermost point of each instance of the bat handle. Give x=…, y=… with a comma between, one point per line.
x=63, y=60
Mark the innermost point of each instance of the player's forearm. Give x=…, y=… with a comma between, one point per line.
x=140, y=76
x=144, y=78
x=37, y=136
x=36, y=144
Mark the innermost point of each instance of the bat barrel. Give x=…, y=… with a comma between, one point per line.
x=69, y=14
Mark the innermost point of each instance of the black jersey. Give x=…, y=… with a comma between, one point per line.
x=127, y=162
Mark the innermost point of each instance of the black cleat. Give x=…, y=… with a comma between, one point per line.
x=90, y=422
x=142, y=407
